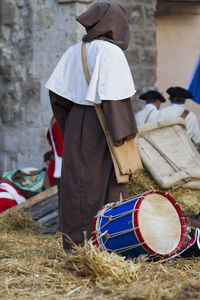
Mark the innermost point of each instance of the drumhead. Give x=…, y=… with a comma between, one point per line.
x=159, y=223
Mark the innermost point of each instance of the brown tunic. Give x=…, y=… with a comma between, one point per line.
x=88, y=179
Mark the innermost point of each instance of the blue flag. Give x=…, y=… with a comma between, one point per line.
x=194, y=82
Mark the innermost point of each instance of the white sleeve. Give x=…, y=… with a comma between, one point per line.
x=153, y=117
x=115, y=81
x=59, y=79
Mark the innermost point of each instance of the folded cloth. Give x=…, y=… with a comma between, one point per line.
x=9, y=196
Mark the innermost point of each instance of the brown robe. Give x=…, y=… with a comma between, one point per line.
x=88, y=179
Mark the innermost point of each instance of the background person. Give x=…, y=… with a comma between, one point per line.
x=177, y=97
x=150, y=111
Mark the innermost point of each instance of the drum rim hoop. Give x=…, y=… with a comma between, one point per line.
x=94, y=236
x=138, y=233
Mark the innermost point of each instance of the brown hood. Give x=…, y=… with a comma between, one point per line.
x=106, y=21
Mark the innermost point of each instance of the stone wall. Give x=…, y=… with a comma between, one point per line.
x=142, y=52
x=19, y=90
x=33, y=36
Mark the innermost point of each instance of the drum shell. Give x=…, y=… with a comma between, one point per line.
x=128, y=222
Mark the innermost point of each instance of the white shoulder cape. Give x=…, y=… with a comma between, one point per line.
x=111, y=78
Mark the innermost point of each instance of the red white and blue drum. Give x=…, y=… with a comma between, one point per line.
x=151, y=222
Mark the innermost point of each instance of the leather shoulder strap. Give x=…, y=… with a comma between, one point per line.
x=148, y=115
x=97, y=106
x=185, y=113
x=84, y=61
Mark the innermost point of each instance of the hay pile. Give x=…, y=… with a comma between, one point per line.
x=17, y=220
x=34, y=266
x=189, y=200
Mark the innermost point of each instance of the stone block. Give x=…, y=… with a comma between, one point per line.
x=20, y=3
x=42, y=42
x=24, y=11
x=45, y=3
x=137, y=76
x=149, y=56
x=149, y=77
x=29, y=141
x=6, y=65
x=39, y=68
x=20, y=73
x=133, y=56
x=31, y=91
x=19, y=34
x=11, y=139
x=8, y=162
x=149, y=19
x=135, y=14
x=11, y=110
x=5, y=33
x=30, y=160
x=46, y=111
x=7, y=12
x=7, y=71
x=33, y=114
x=143, y=38
x=66, y=15
x=15, y=55
x=46, y=17
x=44, y=143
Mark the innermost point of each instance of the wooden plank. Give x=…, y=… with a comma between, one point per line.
x=43, y=209
x=47, y=219
x=52, y=229
x=52, y=191
x=53, y=221
x=50, y=223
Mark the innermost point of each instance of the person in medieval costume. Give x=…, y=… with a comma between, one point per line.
x=149, y=113
x=177, y=97
x=88, y=179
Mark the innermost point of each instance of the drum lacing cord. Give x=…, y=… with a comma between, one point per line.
x=118, y=204
x=109, y=236
x=120, y=250
x=113, y=235
x=99, y=235
x=114, y=217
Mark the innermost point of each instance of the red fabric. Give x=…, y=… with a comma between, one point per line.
x=58, y=141
x=58, y=138
x=6, y=203
x=50, y=172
